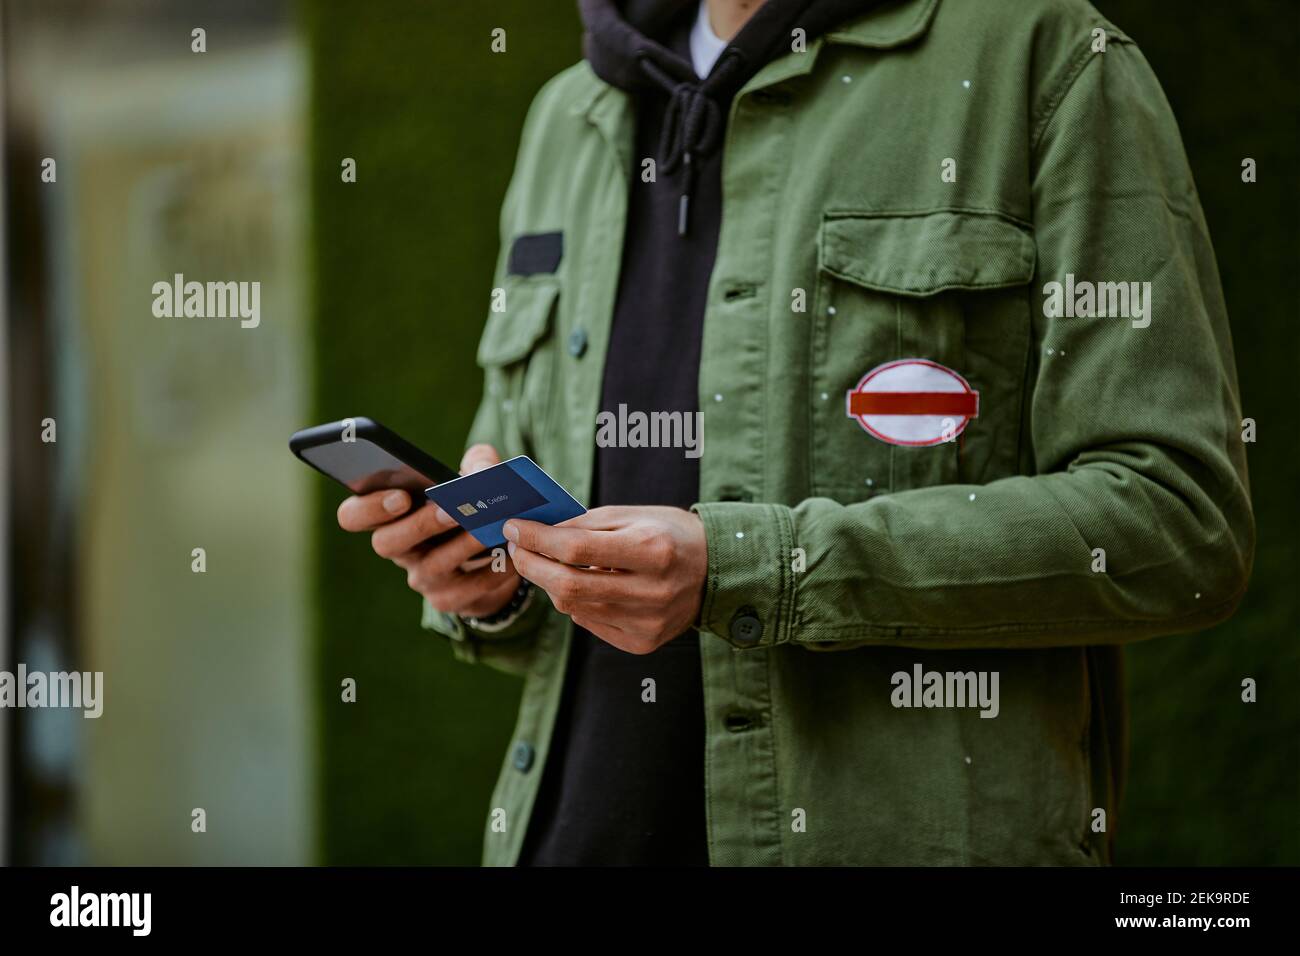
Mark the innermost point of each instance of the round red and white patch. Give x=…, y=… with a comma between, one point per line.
x=913, y=402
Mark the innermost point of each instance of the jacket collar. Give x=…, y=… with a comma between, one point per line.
x=893, y=24
x=888, y=26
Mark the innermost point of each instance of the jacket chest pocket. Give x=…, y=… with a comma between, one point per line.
x=517, y=354
x=919, y=349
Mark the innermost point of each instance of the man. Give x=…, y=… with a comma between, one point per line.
x=934, y=276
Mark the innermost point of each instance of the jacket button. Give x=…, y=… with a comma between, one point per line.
x=733, y=494
x=746, y=628
x=738, y=723
x=523, y=756
x=577, y=342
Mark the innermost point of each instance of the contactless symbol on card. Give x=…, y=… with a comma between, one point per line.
x=913, y=402
x=484, y=501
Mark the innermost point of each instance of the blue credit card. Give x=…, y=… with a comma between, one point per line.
x=482, y=502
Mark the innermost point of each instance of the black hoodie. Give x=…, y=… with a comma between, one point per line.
x=624, y=779
x=621, y=44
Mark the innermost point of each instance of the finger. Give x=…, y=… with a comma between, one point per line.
x=438, y=567
x=605, y=518
x=635, y=622
x=435, y=550
x=473, y=595
x=366, y=512
x=614, y=635
x=459, y=557
x=405, y=534
x=446, y=560
x=631, y=619
x=645, y=623
x=483, y=560
x=575, y=546
x=572, y=587
x=601, y=627
x=494, y=600
x=478, y=457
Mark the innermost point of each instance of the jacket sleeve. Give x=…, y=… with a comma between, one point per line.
x=510, y=648
x=1137, y=454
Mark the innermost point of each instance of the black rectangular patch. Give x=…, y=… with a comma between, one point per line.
x=537, y=253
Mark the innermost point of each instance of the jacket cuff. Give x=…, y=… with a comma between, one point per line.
x=466, y=639
x=749, y=596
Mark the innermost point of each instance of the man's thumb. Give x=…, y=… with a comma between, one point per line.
x=477, y=458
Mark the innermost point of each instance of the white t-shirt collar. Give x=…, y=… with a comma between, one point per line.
x=706, y=46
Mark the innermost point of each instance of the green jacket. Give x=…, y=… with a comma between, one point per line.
x=905, y=188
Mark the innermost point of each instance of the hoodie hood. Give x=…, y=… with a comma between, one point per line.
x=622, y=42
x=621, y=34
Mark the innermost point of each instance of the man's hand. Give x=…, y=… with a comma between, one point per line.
x=433, y=569
x=634, y=577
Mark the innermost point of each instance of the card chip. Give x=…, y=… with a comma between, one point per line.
x=482, y=502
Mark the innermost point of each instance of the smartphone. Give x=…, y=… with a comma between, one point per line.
x=364, y=456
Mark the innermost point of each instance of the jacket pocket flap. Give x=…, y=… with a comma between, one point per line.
x=510, y=335
x=536, y=253
x=920, y=254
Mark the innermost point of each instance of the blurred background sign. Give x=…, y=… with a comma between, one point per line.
x=171, y=432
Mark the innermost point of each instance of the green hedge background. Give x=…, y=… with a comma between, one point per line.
x=403, y=275
x=402, y=271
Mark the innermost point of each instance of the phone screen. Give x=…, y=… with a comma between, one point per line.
x=365, y=467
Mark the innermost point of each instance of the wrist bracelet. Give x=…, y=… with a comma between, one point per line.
x=516, y=606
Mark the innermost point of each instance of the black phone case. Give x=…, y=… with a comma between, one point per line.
x=372, y=431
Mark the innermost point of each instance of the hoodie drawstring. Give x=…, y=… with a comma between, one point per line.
x=692, y=121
